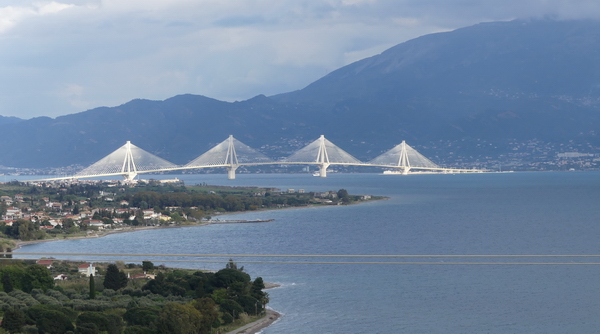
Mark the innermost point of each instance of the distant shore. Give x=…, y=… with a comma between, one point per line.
x=128, y=229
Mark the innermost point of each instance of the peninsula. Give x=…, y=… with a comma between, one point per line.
x=33, y=212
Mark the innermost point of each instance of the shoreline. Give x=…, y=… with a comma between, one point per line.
x=255, y=327
x=258, y=325
x=129, y=229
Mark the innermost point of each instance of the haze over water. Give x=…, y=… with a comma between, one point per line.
x=476, y=214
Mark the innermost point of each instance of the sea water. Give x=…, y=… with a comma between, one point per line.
x=464, y=214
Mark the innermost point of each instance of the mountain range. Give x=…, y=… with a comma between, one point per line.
x=496, y=83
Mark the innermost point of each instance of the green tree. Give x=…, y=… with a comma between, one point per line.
x=232, y=307
x=115, y=324
x=237, y=289
x=257, y=286
x=343, y=196
x=110, y=323
x=219, y=295
x=176, y=217
x=13, y=320
x=92, y=287
x=250, y=304
x=141, y=316
x=225, y=277
x=21, y=229
x=68, y=223
x=37, y=277
x=16, y=274
x=233, y=265
x=37, y=312
x=54, y=322
x=179, y=319
x=147, y=266
x=7, y=283
x=114, y=279
x=207, y=307
x=138, y=330
x=87, y=328
x=256, y=291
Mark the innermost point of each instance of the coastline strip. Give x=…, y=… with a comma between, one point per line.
x=258, y=325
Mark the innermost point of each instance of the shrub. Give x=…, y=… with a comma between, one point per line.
x=226, y=318
x=87, y=328
x=12, y=301
x=24, y=297
x=35, y=292
x=57, y=294
x=109, y=293
x=47, y=300
x=13, y=320
x=132, y=292
x=138, y=330
x=141, y=316
x=96, y=318
x=54, y=322
x=30, y=329
x=232, y=307
x=91, y=305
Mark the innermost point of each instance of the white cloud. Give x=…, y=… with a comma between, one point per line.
x=53, y=7
x=72, y=90
x=231, y=50
x=10, y=16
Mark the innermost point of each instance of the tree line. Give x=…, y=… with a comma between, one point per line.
x=176, y=301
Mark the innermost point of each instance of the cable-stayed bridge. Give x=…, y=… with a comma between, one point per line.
x=129, y=160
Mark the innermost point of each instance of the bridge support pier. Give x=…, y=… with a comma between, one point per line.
x=405, y=170
x=231, y=172
x=323, y=170
x=129, y=176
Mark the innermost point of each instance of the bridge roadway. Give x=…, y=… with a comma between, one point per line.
x=129, y=160
x=232, y=168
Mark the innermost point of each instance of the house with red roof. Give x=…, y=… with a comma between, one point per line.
x=87, y=269
x=45, y=263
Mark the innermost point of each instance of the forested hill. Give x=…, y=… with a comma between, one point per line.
x=498, y=82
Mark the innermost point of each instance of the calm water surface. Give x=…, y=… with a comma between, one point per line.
x=478, y=214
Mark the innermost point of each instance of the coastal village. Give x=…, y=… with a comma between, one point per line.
x=34, y=212
x=107, y=209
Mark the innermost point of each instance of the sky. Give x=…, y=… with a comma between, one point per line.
x=67, y=56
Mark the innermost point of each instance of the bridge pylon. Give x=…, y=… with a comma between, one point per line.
x=230, y=153
x=403, y=160
x=127, y=161
x=322, y=153
x=322, y=157
x=403, y=157
x=231, y=159
x=129, y=169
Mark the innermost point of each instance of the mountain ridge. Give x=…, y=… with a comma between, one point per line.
x=493, y=82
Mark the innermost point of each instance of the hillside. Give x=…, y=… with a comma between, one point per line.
x=519, y=79
x=499, y=82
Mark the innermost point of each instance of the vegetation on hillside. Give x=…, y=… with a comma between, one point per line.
x=168, y=301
